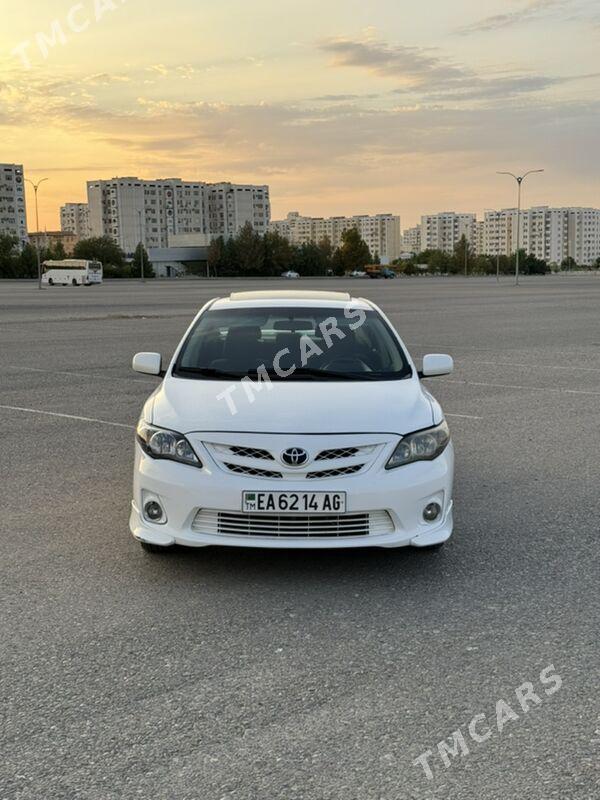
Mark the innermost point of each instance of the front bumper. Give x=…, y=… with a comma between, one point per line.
x=403, y=493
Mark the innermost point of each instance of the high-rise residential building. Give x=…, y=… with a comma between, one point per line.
x=231, y=206
x=75, y=218
x=479, y=240
x=443, y=231
x=551, y=234
x=130, y=210
x=411, y=240
x=381, y=232
x=13, y=216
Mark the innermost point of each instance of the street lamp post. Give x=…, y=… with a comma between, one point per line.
x=519, y=179
x=36, y=186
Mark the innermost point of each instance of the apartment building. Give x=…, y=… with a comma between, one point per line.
x=443, y=231
x=130, y=210
x=411, y=240
x=381, y=232
x=13, y=216
x=75, y=218
x=231, y=206
x=46, y=239
x=551, y=234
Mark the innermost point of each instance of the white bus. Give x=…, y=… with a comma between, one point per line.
x=71, y=272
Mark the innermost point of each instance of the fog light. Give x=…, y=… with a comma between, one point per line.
x=432, y=512
x=153, y=511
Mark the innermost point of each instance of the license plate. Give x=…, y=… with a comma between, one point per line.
x=294, y=502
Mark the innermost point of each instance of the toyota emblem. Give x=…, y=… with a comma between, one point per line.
x=294, y=456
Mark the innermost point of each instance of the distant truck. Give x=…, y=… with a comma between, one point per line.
x=71, y=272
x=380, y=272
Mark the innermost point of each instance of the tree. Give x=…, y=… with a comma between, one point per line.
x=141, y=257
x=352, y=254
x=326, y=252
x=101, y=248
x=376, y=259
x=278, y=254
x=250, y=251
x=216, y=256
x=9, y=266
x=530, y=265
x=28, y=263
x=568, y=263
x=308, y=260
x=463, y=255
x=58, y=252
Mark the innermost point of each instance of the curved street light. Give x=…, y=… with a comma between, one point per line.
x=519, y=179
x=36, y=186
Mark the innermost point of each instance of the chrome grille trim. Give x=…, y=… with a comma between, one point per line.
x=303, y=526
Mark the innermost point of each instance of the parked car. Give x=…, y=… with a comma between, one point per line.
x=290, y=274
x=358, y=273
x=292, y=420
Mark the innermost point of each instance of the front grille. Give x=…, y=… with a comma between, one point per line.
x=251, y=452
x=255, y=472
x=335, y=473
x=231, y=523
x=338, y=452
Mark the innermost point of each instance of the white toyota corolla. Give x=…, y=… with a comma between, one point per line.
x=292, y=420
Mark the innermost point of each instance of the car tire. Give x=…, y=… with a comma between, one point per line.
x=155, y=548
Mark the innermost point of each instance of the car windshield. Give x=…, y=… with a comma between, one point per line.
x=292, y=343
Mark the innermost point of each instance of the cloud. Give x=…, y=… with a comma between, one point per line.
x=343, y=98
x=533, y=10
x=428, y=76
x=414, y=66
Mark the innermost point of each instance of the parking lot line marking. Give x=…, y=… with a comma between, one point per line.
x=463, y=416
x=68, y=416
x=529, y=388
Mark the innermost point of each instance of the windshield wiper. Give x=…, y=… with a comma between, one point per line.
x=312, y=372
x=209, y=372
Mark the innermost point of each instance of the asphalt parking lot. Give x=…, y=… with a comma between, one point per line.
x=226, y=674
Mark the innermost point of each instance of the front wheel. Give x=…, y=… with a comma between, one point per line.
x=155, y=548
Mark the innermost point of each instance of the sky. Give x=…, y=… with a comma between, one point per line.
x=341, y=107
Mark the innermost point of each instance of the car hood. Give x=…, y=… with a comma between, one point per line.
x=293, y=407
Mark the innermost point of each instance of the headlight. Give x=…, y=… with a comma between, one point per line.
x=421, y=446
x=161, y=443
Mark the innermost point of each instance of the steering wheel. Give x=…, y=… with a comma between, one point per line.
x=347, y=364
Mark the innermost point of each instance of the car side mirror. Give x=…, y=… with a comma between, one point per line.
x=148, y=364
x=436, y=364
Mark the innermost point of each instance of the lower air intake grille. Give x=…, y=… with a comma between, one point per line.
x=230, y=523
